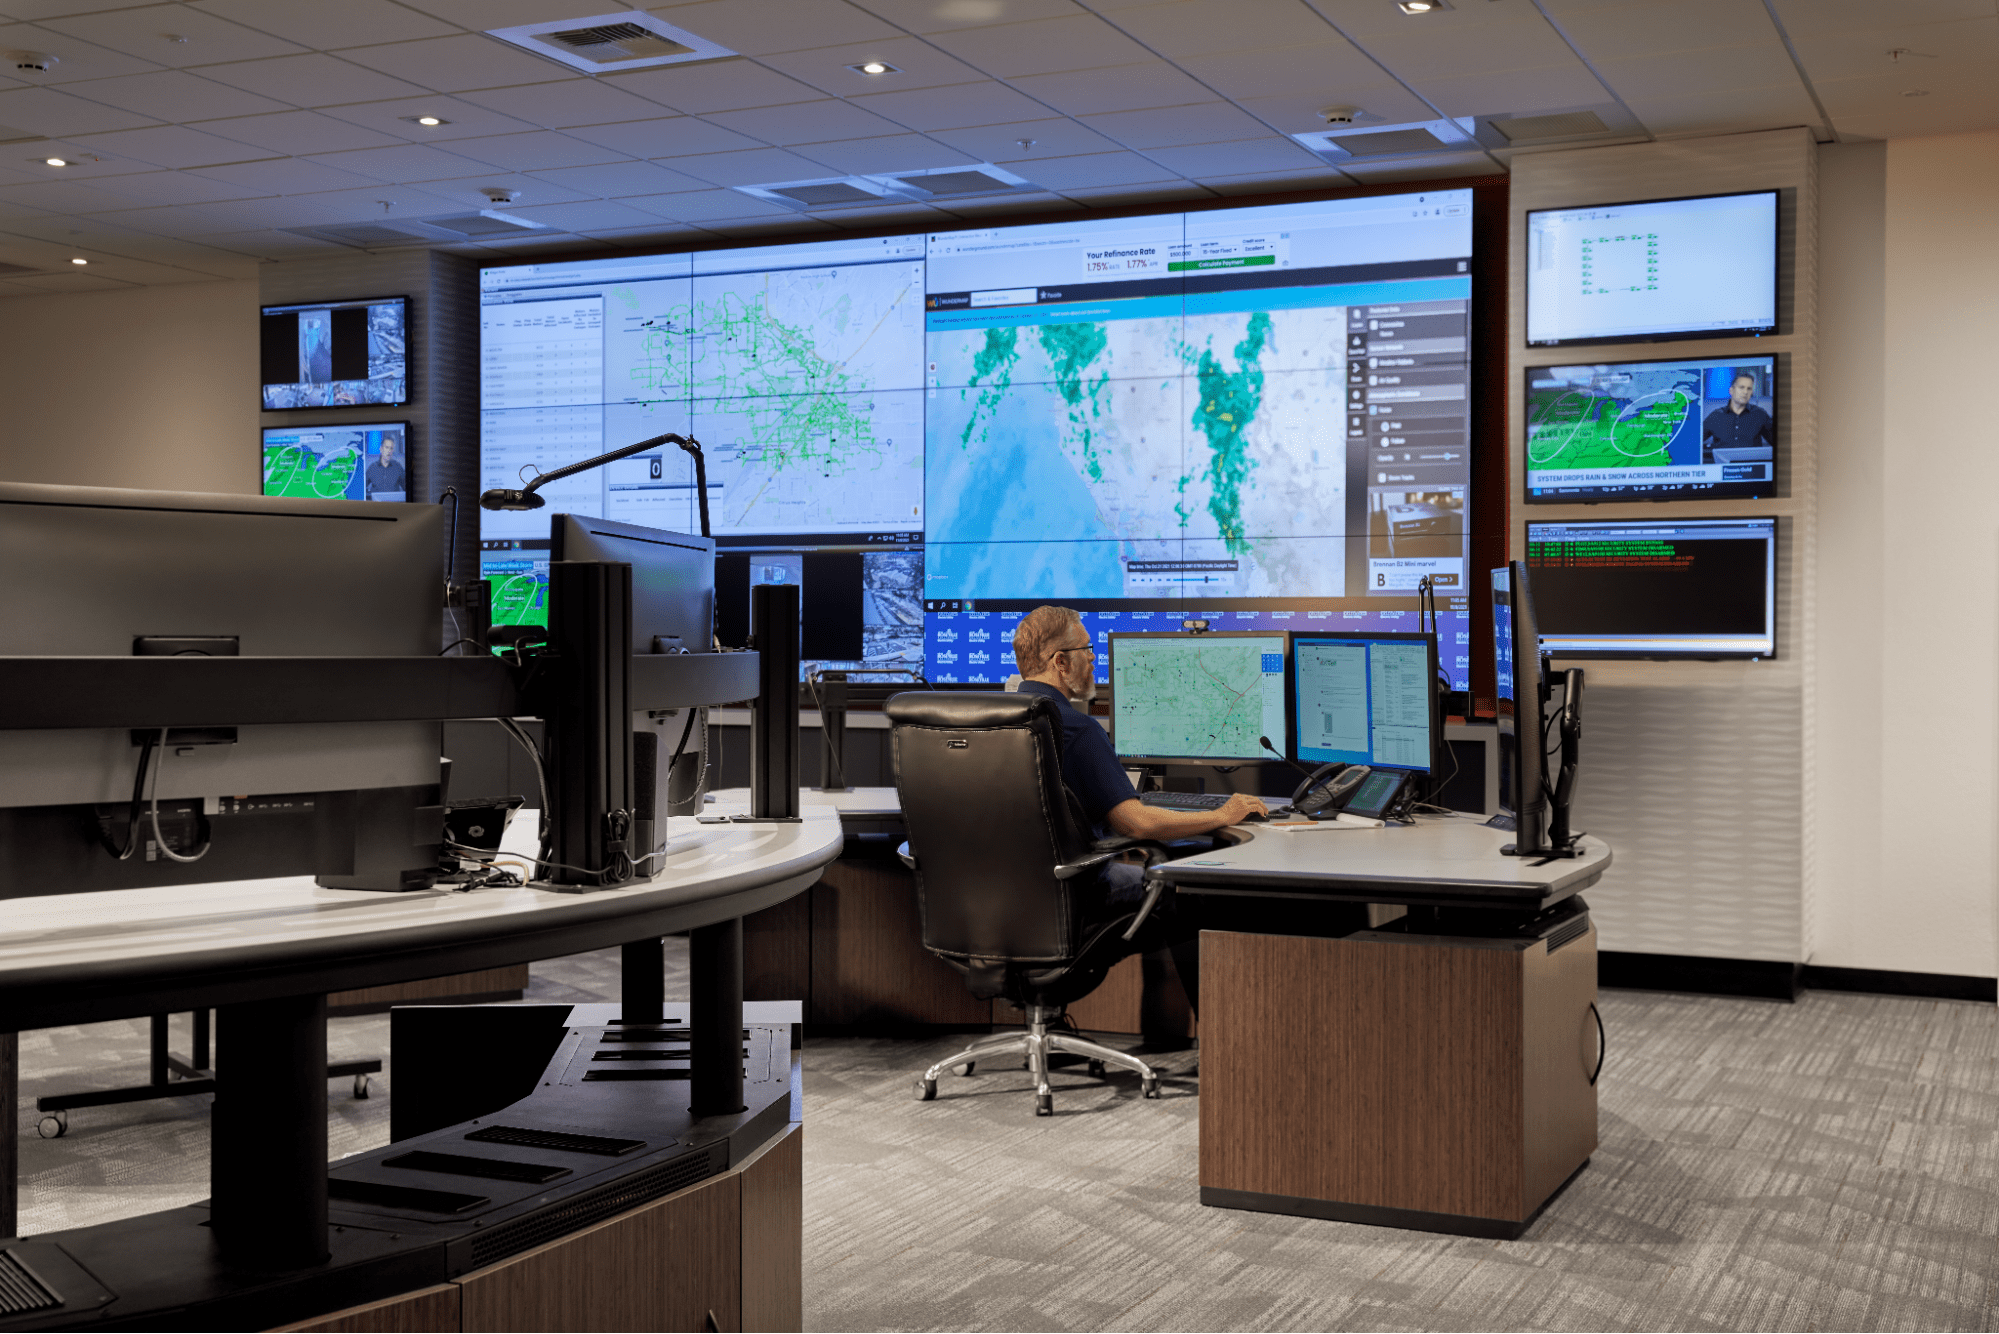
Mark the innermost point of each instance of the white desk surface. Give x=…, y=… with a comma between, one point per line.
x=1454, y=858
x=872, y=802
x=75, y=952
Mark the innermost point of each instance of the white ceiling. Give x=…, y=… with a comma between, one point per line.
x=200, y=129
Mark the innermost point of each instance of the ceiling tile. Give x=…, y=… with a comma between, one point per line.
x=1936, y=52
x=1665, y=25
x=152, y=188
x=585, y=214
x=1292, y=114
x=365, y=203
x=1423, y=168
x=171, y=146
x=73, y=282
x=1745, y=109
x=1133, y=195
x=619, y=180
x=296, y=132
x=1367, y=20
x=1808, y=18
x=895, y=152
x=706, y=205
x=454, y=64
x=1093, y=169
x=41, y=9
x=926, y=109
x=665, y=137
x=661, y=235
x=567, y=102
x=1448, y=51
x=1236, y=159
x=1011, y=206
x=539, y=150
x=63, y=197
x=1519, y=90
x=1720, y=72
x=175, y=95
x=1321, y=71
x=30, y=158
x=928, y=16
x=1198, y=123
x=464, y=120
x=326, y=27
x=170, y=220
x=1959, y=97
x=714, y=85
x=465, y=191
x=758, y=27
x=754, y=166
x=1043, y=46
x=1186, y=28
x=266, y=244
x=1059, y=137
x=1126, y=88
x=311, y=80
x=285, y=176
x=917, y=65
x=402, y=163
x=144, y=33
x=53, y=112
x=805, y=123
x=482, y=14
x=1323, y=178
x=81, y=61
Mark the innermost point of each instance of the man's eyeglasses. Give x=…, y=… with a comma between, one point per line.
x=1080, y=648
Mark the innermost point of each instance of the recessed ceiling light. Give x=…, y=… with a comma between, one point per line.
x=428, y=122
x=874, y=67
x=1420, y=6
x=56, y=161
x=79, y=261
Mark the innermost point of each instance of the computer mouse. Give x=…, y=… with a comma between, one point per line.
x=1256, y=817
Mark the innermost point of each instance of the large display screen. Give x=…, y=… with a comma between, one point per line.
x=1699, y=428
x=361, y=462
x=336, y=354
x=1677, y=588
x=1704, y=267
x=1253, y=416
x=1209, y=697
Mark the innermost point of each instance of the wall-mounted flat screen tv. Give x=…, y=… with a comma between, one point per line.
x=365, y=461
x=1702, y=267
x=336, y=354
x=1671, y=588
x=1697, y=428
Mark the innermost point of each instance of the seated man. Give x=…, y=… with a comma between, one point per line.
x=1057, y=662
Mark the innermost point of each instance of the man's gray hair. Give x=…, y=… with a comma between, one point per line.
x=1039, y=634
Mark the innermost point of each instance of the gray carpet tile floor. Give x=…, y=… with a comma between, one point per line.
x=1829, y=1165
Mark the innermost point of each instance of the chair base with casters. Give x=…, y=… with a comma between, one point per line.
x=1037, y=1044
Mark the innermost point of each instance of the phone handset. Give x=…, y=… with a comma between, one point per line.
x=1328, y=787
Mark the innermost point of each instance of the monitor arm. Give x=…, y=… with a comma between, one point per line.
x=526, y=499
x=1570, y=721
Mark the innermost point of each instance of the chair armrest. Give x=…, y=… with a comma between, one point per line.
x=1105, y=849
x=908, y=857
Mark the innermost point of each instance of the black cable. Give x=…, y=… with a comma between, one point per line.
x=839, y=761
x=160, y=838
x=451, y=552
x=1602, y=1044
x=680, y=749
x=124, y=854
x=454, y=644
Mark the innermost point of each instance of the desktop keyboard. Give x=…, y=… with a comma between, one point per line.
x=1185, y=801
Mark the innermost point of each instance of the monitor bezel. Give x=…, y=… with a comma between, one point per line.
x=263, y=443
x=1662, y=335
x=1295, y=637
x=1110, y=650
x=408, y=356
x=1771, y=584
x=1767, y=490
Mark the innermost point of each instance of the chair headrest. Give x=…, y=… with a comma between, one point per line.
x=967, y=708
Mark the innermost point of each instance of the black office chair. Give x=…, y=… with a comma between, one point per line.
x=997, y=844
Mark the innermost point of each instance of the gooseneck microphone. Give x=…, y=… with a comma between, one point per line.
x=1264, y=741
x=526, y=499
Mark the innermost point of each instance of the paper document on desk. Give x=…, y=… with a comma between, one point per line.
x=1340, y=821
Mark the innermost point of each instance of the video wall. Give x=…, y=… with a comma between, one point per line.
x=1254, y=416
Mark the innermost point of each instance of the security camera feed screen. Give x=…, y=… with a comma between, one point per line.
x=1699, y=429
x=1682, y=588
x=1252, y=416
x=1670, y=268
x=337, y=462
x=336, y=354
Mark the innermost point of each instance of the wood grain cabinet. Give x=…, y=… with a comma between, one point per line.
x=1432, y=1082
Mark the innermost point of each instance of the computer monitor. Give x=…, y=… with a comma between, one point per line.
x=1517, y=670
x=1671, y=588
x=365, y=461
x=673, y=578
x=1365, y=699
x=1205, y=698
x=335, y=354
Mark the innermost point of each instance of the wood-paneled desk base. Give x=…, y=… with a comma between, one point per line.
x=1438, y=1083
x=723, y=1254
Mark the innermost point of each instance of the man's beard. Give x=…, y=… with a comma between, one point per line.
x=1088, y=694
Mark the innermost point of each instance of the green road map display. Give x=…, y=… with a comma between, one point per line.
x=1197, y=696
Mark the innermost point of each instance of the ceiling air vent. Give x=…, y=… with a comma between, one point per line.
x=485, y=223
x=405, y=233
x=828, y=192
x=957, y=183
x=1383, y=143
x=1387, y=141
x=1561, y=125
x=631, y=40
x=1565, y=125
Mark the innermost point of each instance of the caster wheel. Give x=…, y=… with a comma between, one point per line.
x=965, y=1070
x=53, y=1126
x=1096, y=1069
x=1044, y=1104
x=360, y=1086
x=1149, y=1086
x=926, y=1090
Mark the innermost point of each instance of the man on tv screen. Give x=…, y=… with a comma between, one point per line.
x=385, y=474
x=1739, y=424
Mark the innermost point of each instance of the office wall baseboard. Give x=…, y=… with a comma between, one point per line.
x=1776, y=980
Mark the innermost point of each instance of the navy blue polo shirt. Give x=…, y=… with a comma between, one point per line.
x=1090, y=768
x=1739, y=430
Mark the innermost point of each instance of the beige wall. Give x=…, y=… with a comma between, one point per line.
x=155, y=387
x=1908, y=640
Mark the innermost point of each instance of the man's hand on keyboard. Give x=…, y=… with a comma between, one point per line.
x=1242, y=807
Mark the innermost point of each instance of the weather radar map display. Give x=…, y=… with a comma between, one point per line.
x=336, y=462
x=1652, y=430
x=1208, y=697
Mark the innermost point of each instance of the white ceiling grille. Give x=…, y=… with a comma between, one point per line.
x=959, y=182
x=630, y=40
x=1386, y=141
x=981, y=178
x=824, y=193
x=404, y=233
x=1383, y=143
x=1563, y=125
